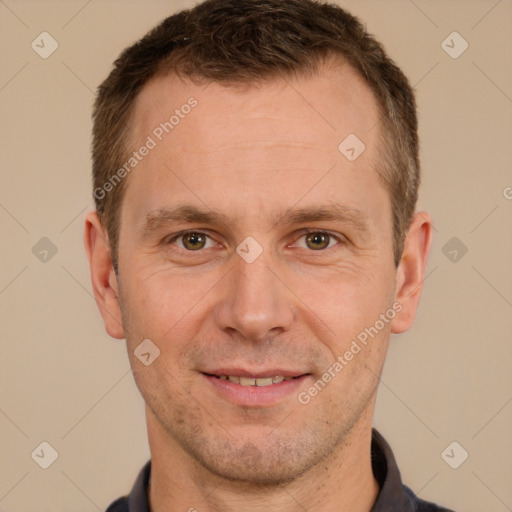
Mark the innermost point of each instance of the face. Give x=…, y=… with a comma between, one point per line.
x=254, y=254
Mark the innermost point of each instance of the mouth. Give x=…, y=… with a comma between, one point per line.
x=253, y=381
x=258, y=389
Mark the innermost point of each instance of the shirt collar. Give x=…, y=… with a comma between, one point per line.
x=393, y=495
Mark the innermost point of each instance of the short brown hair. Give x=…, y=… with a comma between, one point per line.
x=241, y=42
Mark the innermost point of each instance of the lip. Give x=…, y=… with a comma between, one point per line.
x=269, y=372
x=255, y=396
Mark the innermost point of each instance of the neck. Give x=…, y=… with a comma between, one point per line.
x=342, y=482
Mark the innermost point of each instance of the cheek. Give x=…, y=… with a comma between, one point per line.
x=349, y=307
x=348, y=297
x=163, y=306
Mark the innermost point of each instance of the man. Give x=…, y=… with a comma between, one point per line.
x=256, y=172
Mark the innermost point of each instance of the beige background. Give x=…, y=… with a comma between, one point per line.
x=64, y=381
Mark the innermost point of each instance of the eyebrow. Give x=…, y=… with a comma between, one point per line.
x=163, y=217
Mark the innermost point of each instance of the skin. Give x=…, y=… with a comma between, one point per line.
x=251, y=154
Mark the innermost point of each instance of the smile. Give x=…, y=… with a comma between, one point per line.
x=254, y=381
x=259, y=389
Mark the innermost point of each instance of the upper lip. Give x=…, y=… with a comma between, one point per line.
x=241, y=372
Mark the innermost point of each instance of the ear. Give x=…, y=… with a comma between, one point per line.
x=411, y=271
x=104, y=280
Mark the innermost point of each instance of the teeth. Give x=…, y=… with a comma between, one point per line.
x=252, y=381
x=264, y=381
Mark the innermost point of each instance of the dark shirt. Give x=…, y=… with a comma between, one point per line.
x=393, y=495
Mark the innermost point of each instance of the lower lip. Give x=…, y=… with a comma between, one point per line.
x=255, y=396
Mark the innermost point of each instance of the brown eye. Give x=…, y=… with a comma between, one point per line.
x=317, y=241
x=194, y=241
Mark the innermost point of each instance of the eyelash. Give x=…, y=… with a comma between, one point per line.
x=305, y=232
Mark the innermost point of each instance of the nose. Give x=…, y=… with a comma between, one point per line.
x=255, y=304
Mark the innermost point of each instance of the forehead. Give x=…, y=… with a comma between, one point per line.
x=333, y=102
x=227, y=146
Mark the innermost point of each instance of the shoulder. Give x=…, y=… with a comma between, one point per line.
x=120, y=505
x=138, y=498
x=424, y=506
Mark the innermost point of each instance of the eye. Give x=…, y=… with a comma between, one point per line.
x=192, y=241
x=317, y=240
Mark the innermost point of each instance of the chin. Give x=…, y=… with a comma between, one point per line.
x=265, y=471
x=257, y=462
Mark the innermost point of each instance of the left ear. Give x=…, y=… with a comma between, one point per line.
x=411, y=271
x=104, y=280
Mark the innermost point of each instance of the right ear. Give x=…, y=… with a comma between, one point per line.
x=103, y=277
